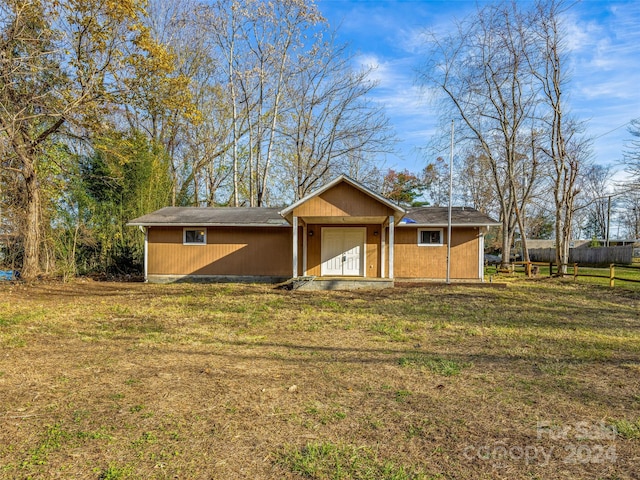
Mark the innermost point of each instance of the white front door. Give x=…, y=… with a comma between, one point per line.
x=342, y=251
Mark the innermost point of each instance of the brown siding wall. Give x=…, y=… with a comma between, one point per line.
x=372, y=249
x=413, y=261
x=267, y=251
x=229, y=251
x=342, y=200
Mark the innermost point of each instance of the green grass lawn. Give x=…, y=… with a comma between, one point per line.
x=105, y=380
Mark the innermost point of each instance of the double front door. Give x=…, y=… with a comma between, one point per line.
x=343, y=251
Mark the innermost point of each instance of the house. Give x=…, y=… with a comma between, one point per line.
x=343, y=234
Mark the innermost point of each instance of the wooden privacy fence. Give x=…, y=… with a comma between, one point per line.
x=613, y=273
x=587, y=256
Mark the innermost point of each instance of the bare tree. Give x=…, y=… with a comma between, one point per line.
x=270, y=78
x=483, y=72
x=261, y=44
x=632, y=154
x=474, y=182
x=630, y=190
x=167, y=107
x=563, y=146
x=630, y=214
x=207, y=147
x=596, y=180
x=436, y=176
x=278, y=30
x=227, y=30
x=503, y=73
x=331, y=123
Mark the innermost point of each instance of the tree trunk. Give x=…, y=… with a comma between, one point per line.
x=523, y=236
x=562, y=245
x=31, y=259
x=564, y=221
x=506, y=243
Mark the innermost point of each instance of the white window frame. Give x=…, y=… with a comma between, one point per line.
x=184, y=235
x=440, y=230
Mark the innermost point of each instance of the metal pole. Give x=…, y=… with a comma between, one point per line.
x=608, y=222
x=449, y=215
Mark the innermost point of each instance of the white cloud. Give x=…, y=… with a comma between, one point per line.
x=606, y=88
x=603, y=41
x=396, y=87
x=414, y=40
x=605, y=73
x=580, y=34
x=368, y=60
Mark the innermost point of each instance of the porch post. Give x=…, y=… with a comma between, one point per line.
x=481, y=254
x=304, y=249
x=391, y=245
x=382, y=252
x=145, y=230
x=295, y=247
x=146, y=253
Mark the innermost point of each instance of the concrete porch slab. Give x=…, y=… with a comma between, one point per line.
x=346, y=283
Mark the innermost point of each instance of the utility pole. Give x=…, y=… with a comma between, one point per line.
x=608, y=222
x=449, y=216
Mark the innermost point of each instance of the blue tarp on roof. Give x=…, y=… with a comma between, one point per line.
x=408, y=220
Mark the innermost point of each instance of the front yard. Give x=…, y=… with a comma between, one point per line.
x=115, y=380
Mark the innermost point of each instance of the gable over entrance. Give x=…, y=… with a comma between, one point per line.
x=327, y=247
x=344, y=199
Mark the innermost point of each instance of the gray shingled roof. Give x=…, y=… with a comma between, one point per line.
x=270, y=217
x=438, y=216
x=218, y=216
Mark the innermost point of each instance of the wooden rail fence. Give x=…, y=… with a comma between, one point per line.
x=532, y=268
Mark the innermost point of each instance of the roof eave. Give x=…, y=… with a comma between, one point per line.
x=204, y=224
x=439, y=225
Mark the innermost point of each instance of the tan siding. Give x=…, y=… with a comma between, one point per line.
x=313, y=250
x=464, y=253
x=267, y=251
x=342, y=200
x=229, y=251
x=413, y=261
x=372, y=262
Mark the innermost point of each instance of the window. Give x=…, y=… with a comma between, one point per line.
x=431, y=237
x=194, y=236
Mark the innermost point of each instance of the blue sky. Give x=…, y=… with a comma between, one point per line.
x=604, y=40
